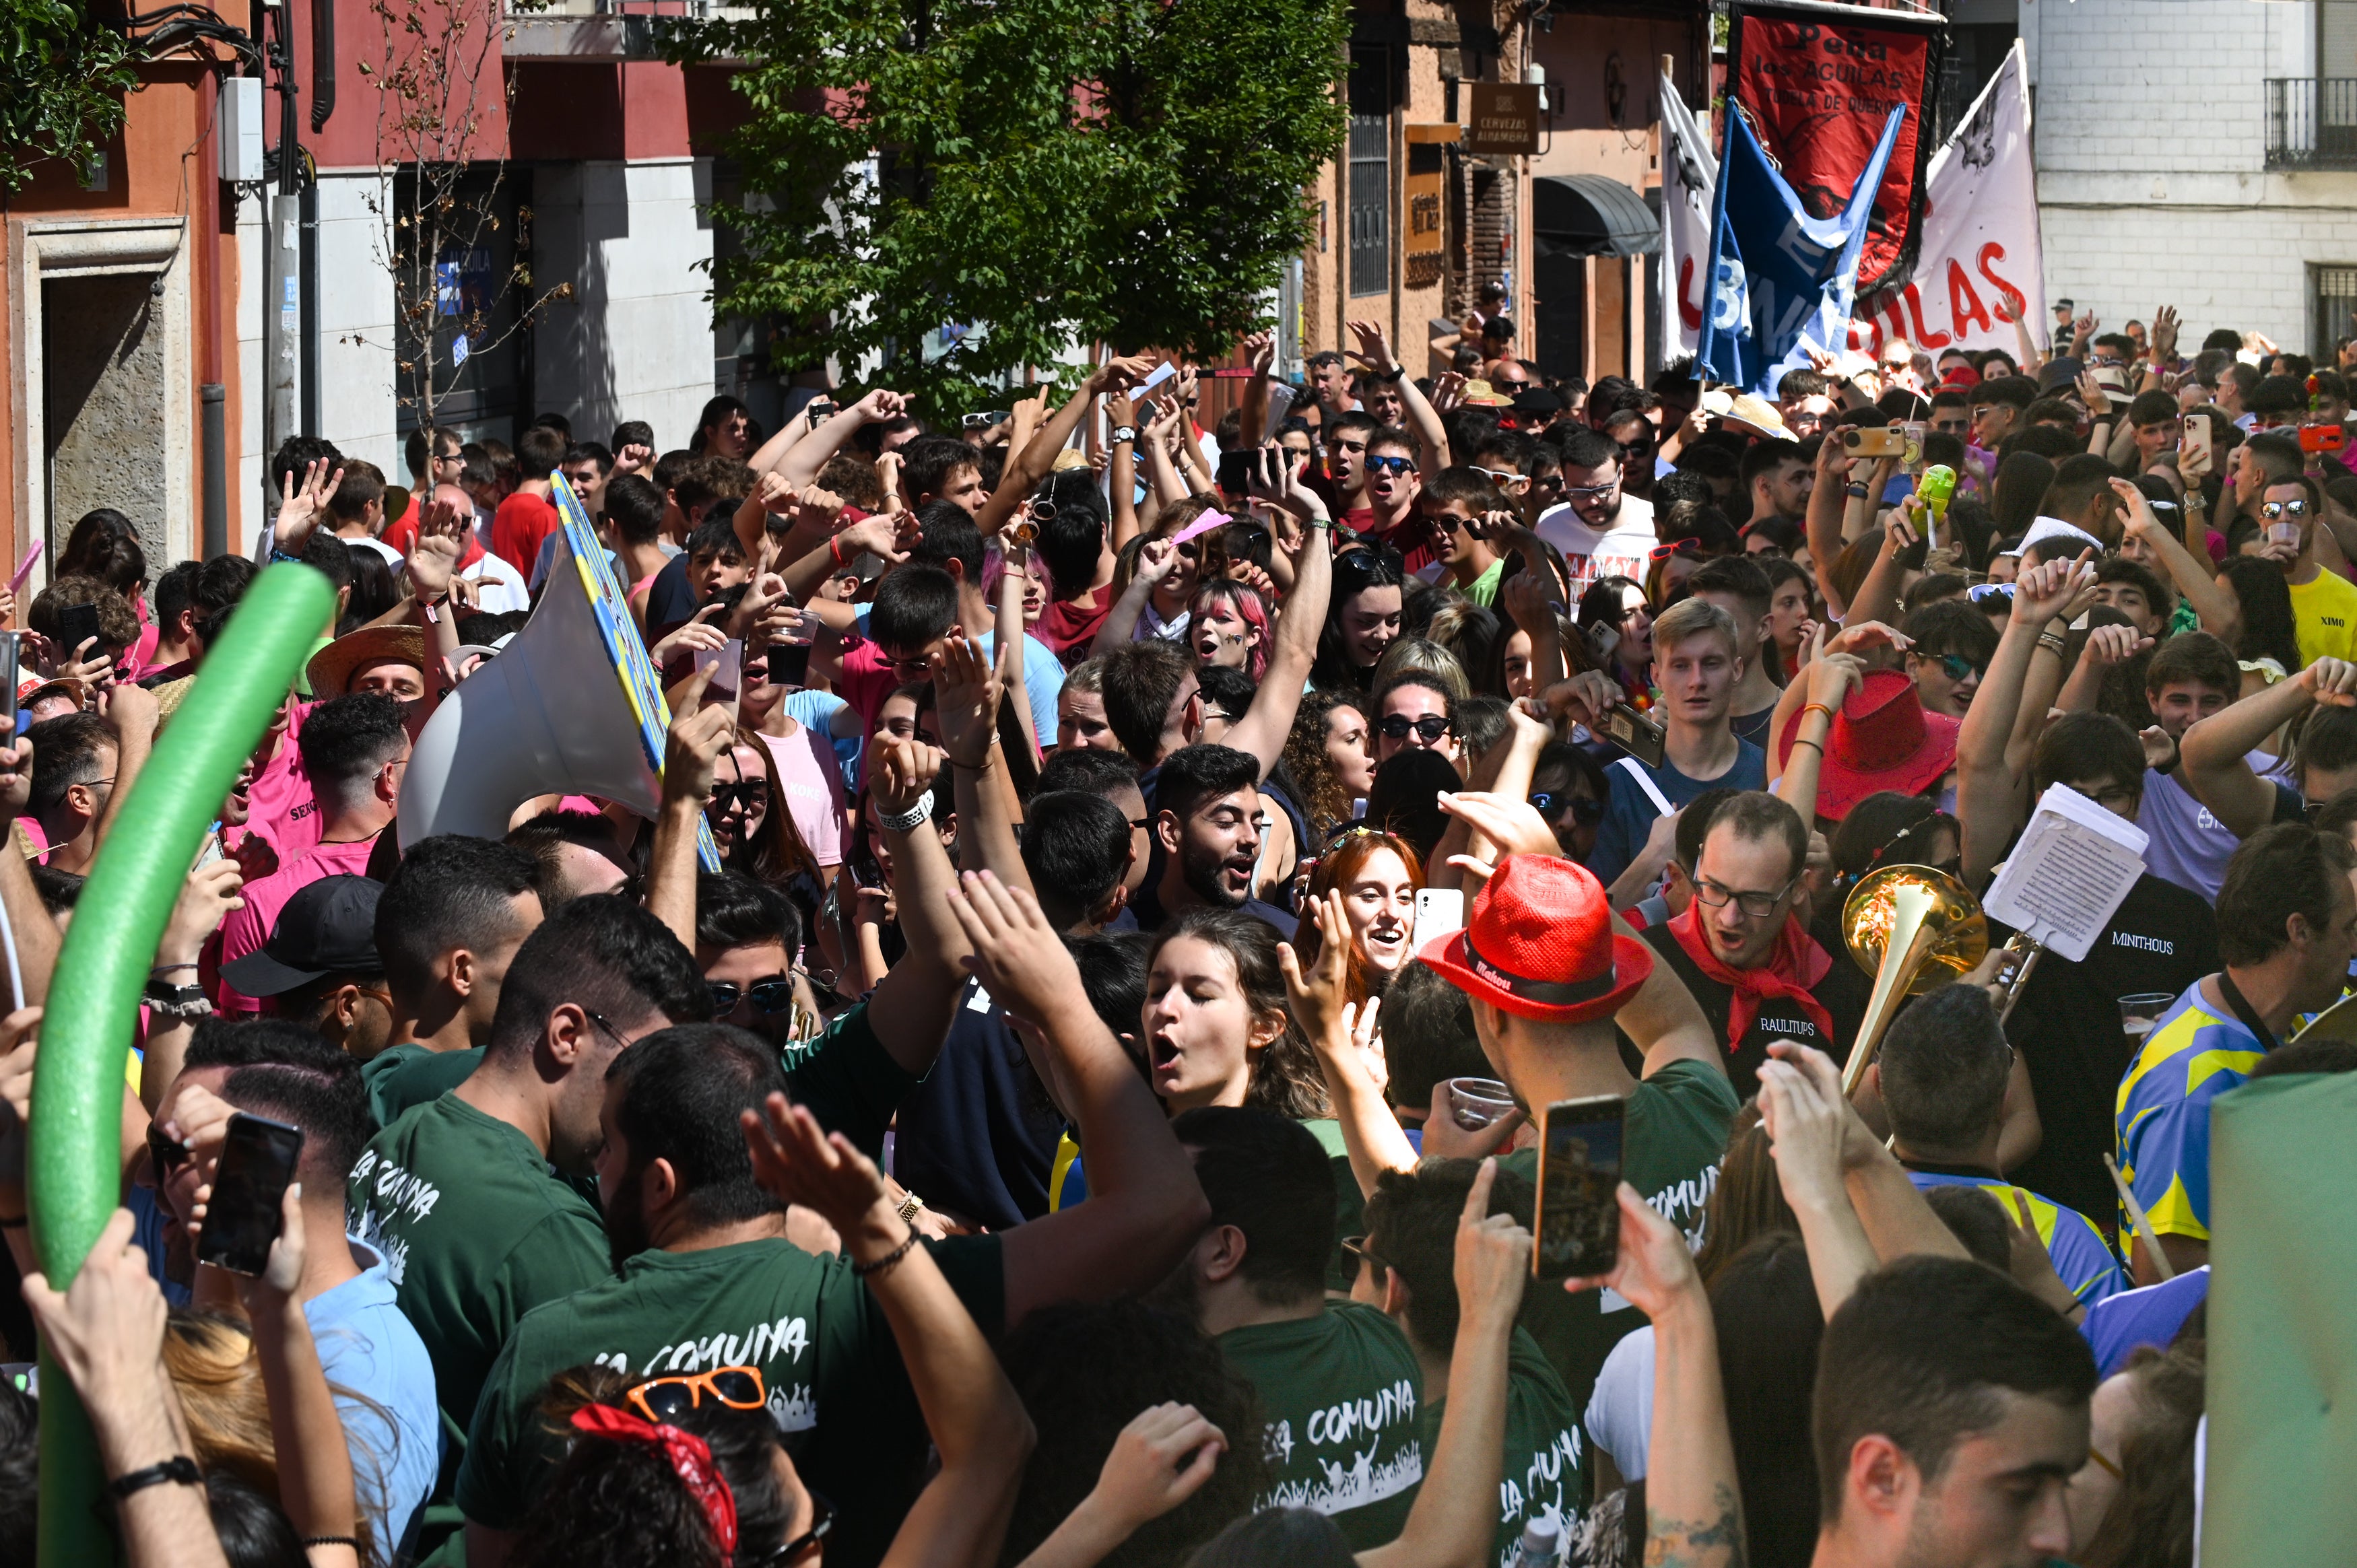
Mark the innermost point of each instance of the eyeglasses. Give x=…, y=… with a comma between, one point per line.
x=1756, y=905
x=600, y=1019
x=1428, y=730
x=1583, y=808
x=661, y=1398
x=1390, y=465
x=1504, y=478
x=774, y=995
x=166, y=1156
x=1356, y=1246
x=2296, y=507
x=917, y=667
x=1589, y=492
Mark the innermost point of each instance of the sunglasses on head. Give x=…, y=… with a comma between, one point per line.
x=1390, y=463
x=774, y=995
x=1428, y=730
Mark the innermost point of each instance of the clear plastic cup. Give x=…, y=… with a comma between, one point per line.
x=2139, y=1012
x=1476, y=1103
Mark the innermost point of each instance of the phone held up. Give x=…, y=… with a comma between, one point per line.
x=820, y=411
x=244, y=1218
x=1236, y=471
x=1642, y=739
x=2322, y=437
x=1577, y=1226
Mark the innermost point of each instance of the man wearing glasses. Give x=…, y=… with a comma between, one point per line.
x=1600, y=529
x=1390, y=481
x=1742, y=948
x=2324, y=604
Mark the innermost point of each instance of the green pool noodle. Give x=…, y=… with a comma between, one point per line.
x=74, y=1162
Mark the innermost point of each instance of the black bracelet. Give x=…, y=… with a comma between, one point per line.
x=179, y=1470
x=863, y=1270
x=351, y=1541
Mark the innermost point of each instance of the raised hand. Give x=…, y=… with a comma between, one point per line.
x=1444, y=1140
x=775, y=492
x=1832, y=676
x=965, y=696
x=300, y=505
x=1120, y=375
x=1318, y=995
x=1806, y=1133
x=1493, y=1255
x=1156, y=559
x=1373, y=346
x=106, y=1328
x=1586, y=696
x=2112, y=645
x=2333, y=682
x=1019, y=954
x=434, y=555
x=798, y=1162
x=636, y=458
x=903, y=773
x=1158, y=1461
x=1448, y=392
x=697, y=633
x=2164, y=333
x=1260, y=352
x=880, y=405
x=698, y=735
x=1858, y=1143
x=16, y=779
x=2092, y=393
x=1514, y=826
x=2044, y=591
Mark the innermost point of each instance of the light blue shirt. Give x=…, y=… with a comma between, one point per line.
x=383, y=1382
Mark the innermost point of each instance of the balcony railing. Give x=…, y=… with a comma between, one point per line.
x=2312, y=122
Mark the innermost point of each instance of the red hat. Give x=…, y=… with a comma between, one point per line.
x=1882, y=739
x=1540, y=945
x=1963, y=377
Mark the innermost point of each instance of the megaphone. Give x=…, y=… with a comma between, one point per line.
x=571, y=706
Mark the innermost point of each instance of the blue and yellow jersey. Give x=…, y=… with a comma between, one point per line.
x=2192, y=1056
x=2082, y=1255
x=1066, y=1183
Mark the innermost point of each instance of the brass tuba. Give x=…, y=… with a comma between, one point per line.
x=1914, y=929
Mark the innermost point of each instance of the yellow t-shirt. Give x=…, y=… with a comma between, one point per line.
x=2324, y=612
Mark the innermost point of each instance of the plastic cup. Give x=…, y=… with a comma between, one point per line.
x=2139, y=1012
x=1476, y=1103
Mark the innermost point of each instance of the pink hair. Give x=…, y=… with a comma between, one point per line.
x=994, y=567
x=1250, y=607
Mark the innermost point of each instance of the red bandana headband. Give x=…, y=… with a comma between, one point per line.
x=691, y=1460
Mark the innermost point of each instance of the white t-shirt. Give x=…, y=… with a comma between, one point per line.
x=1624, y=550
x=1620, y=1417
x=499, y=585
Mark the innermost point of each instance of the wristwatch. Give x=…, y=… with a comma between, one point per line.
x=1124, y=433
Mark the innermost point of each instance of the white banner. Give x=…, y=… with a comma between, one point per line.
x=1980, y=269
x=1689, y=175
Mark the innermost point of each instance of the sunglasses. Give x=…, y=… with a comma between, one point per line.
x=662, y=1399
x=747, y=794
x=1689, y=548
x=1955, y=665
x=774, y=995
x=1428, y=730
x=1583, y=809
x=822, y=1520
x=1390, y=465
x=1644, y=449
x=1589, y=492
x=1982, y=593
x=1504, y=478
x=2273, y=510
x=166, y=1156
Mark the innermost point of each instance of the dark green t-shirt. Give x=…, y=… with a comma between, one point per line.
x=1338, y=1397
x=1676, y=1133
x=404, y=1077
x=837, y=1388
x=1544, y=1474
x=1349, y=1204
x=476, y=1229
x=849, y=1081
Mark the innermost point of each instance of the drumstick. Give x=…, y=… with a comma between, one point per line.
x=2143, y=1226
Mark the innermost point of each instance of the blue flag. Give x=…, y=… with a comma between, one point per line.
x=1783, y=282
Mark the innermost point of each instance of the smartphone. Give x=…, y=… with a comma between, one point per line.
x=1633, y=733
x=2322, y=437
x=2197, y=436
x=820, y=411
x=1438, y=912
x=76, y=624
x=1910, y=450
x=257, y=1161
x=1875, y=443
x=1236, y=472
x=1578, y=1217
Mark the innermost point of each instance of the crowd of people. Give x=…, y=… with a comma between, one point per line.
x=1169, y=872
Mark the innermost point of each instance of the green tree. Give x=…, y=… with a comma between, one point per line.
x=63, y=75
x=1040, y=172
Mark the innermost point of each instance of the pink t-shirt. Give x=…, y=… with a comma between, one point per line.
x=281, y=811
x=246, y=929
x=814, y=785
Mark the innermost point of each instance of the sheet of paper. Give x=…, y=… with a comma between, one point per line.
x=2068, y=875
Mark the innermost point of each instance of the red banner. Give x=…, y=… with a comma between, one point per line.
x=1818, y=91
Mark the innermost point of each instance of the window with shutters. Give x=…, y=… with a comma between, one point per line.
x=2312, y=119
x=2333, y=310
x=1371, y=171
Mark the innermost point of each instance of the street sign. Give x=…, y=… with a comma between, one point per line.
x=1426, y=252
x=1505, y=119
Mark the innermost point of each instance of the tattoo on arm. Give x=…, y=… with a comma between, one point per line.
x=1697, y=1543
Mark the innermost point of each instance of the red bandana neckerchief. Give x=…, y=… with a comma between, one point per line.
x=690, y=1456
x=1794, y=964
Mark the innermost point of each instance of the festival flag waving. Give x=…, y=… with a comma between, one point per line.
x=1783, y=282
x=1689, y=171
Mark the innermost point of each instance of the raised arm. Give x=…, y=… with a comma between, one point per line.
x=2212, y=756
x=1121, y=469
x=1896, y=1220
x=1455, y=1511
x=1829, y=678
x=1370, y=1134
x=1422, y=419
x=1879, y=595
x=1260, y=352
x=1826, y=506
x=206, y=899
x=2219, y=615
x=801, y=462
x=36, y=935
x=1263, y=730
x=691, y=758
x=977, y=1424
x=1988, y=790
x=2107, y=649
x=966, y=697
x=1806, y=1132
x=911, y=1008
x=1027, y=468
x=1156, y=559
x=1144, y=1207
x=433, y=557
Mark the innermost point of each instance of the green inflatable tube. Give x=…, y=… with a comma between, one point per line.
x=74, y=1161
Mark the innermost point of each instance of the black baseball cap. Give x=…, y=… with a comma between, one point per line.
x=328, y=928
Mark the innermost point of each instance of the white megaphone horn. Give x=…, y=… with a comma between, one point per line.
x=571, y=706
